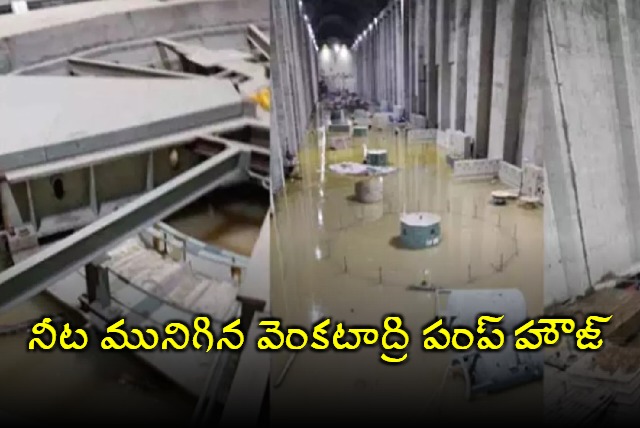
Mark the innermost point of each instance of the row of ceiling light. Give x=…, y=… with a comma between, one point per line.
x=369, y=28
x=309, y=29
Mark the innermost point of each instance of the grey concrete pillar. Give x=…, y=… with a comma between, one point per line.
x=380, y=75
x=536, y=79
x=393, y=52
x=298, y=71
x=373, y=83
x=563, y=228
x=479, y=73
x=314, y=72
x=11, y=215
x=282, y=116
x=370, y=79
x=365, y=69
x=444, y=64
x=97, y=281
x=409, y=63
x=389, y=52
x=420, y=46
x=300, y=32
x=431, y=64
x=459, y=107
x=623, y=48
x=399, y=98
x=510, y=49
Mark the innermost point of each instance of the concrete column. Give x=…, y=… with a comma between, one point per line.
x=566, y=274
x=479, y=73
x=431, y=64
x=420, y=41
x=623, y=47
x=290, y=82
x=283, y=134
x=393, y=55
x=381, y=87
x=375, y=75
x=590, y=194
x=361, y=69
x=402, y=54
x=314, y=72
x=97, y=281
x=11, y=215
x=370, y=79
x=382, y=36
x=297, y=60
x=444, y=64
x=356, y=63
x=390, y=56
x=301, y=44
x=512, y=27
x=536, y=79
x=459, y=107
x=409, y=63
x=371, y=67
x=365, y=70
x=407, y=54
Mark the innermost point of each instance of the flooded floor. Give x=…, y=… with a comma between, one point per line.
x=229, y=218
x=333, y=257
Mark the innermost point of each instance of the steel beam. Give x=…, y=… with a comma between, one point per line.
x=259, y=41
x=54, y=263
x=208, y=145
x=90, y=67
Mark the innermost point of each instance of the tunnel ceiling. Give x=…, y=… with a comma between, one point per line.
x=340, y=19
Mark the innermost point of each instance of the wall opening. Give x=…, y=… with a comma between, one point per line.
x=58, y=187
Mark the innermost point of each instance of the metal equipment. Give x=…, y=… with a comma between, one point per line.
x=420, y=230
x=486, y=372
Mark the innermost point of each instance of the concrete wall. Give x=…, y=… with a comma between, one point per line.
x=591, y=53
x=336, y=68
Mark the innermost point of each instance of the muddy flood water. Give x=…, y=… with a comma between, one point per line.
x=334, y=257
